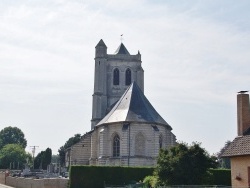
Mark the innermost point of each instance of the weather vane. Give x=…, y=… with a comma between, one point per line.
x=121, y=38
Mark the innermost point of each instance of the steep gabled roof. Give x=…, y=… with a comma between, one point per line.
x=101, y=43
x=122, y=50
x=238, y=147
x=133, y=106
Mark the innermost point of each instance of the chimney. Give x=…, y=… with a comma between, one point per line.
x=243, y=112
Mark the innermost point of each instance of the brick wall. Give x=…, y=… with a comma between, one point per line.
x=243, y=113
x=239, y=167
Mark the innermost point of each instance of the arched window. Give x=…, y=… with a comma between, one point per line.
x=128, y=77
x=116, y=146
x=160, y=142
x=139, y=145
x=116, y=79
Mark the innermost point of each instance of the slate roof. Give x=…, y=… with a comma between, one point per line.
x=247, y=132
x=238, y=147
x=122, y=50
x=133, y=106
x=101, y=43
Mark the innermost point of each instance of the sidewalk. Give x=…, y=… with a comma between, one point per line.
x=4, y=186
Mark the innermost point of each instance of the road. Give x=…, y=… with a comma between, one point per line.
x=4, y=186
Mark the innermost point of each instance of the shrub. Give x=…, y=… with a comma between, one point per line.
x=95, y=176
x=220, y=177
x=151, y=181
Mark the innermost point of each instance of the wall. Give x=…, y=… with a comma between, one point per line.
x=239, y=167
x=102, y=141
x=2, y=177
x=79, y=153
x=122, y=62
x=20, y=182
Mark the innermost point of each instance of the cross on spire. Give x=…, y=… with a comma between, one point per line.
x=121, y=38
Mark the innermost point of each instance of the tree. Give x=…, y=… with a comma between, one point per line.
x=71, y=141
x=12, y=135
x=38, y=161
x=43, y=159
x=183, y=165
x=13, y=154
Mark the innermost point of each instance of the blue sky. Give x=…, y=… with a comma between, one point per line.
x=195, y=55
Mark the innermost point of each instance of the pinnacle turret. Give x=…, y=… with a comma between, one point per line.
x=100, y=49
x=101, y=43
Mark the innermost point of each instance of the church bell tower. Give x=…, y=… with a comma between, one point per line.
x=113, y=74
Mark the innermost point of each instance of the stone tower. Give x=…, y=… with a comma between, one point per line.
x=113, y=74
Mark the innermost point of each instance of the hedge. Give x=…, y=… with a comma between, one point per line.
x=220, y=177
x=95, y=176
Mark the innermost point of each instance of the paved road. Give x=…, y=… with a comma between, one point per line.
x=4, y=186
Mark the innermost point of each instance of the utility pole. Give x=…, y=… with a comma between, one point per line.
x=33, y=149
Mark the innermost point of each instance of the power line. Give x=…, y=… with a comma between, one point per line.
x=33, y=149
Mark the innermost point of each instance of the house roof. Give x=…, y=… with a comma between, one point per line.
x=122, y=50
x=133, y=106
x=238, y=147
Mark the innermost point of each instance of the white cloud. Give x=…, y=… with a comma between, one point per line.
x=195, y=57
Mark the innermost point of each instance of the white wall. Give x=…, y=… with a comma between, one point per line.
x=20, y=182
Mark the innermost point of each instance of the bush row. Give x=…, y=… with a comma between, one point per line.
x=96, y=176
x=220, y=177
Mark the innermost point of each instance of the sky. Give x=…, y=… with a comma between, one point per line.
x=195, y=56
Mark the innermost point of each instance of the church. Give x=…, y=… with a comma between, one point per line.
x=126, y=130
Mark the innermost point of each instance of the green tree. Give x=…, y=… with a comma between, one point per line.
x=38, y=161
x=71, y=141
x=13, y=154
x=12, y=135
x=183, y=165
x=43, y=159
x=47, y=157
